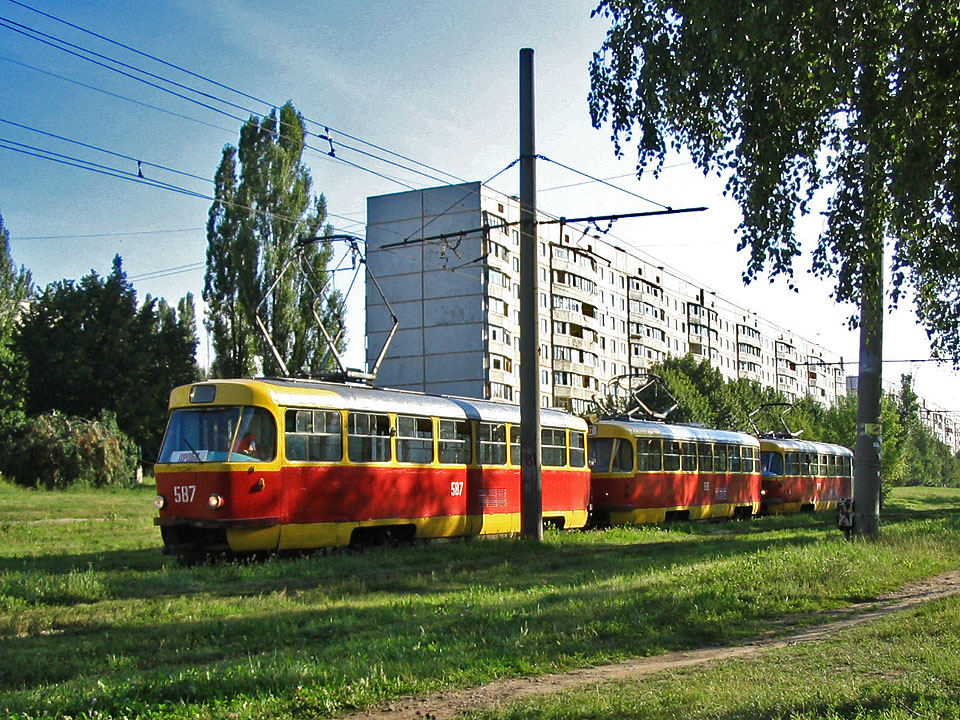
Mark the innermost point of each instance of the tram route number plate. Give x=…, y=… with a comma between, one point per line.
x=184, y=493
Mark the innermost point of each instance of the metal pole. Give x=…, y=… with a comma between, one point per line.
x=866, y=465
x=531, y=498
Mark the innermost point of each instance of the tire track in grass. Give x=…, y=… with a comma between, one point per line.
x=447, y=705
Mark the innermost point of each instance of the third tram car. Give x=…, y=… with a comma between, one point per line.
x=803, y=476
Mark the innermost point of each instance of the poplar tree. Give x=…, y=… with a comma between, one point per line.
x=788, y=98
x=15, y=287
x=263, y=206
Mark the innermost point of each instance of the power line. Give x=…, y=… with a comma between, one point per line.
x=4, y=22
x=93, y=167
x=603, y=182
x=107, y=152
x=115, y=95
x=326, y=137
x=110, y=234
x=167, y=272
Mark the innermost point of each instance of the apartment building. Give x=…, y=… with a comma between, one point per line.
x=447, y=260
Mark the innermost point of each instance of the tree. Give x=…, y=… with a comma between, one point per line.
x=15, y=287
x=90, y=346
x=786, y=99
x=263, y=206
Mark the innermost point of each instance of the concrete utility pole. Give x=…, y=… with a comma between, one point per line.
x=531, y=498
x=866, y=464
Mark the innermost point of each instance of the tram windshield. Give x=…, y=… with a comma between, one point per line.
x=771, y=463
x=220, y=434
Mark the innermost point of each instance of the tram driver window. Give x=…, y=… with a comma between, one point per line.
x=623, y=459
x=771, y=463
x=256, y=437
x=601, y=450
x=368, y=437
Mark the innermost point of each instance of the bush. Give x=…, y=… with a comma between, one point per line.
x=55, y=451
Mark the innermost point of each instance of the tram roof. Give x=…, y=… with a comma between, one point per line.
x=804, y=446
x=323, y=394
x=667, y=431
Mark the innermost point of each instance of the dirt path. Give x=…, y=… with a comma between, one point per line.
x=446, y=705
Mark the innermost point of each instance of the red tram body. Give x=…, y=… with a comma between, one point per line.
x=649, y=472
x=802, y=476
x=274, y=464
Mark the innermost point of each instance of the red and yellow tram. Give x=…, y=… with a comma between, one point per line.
x=275, y=464
x=649, y=472
x=802, y=476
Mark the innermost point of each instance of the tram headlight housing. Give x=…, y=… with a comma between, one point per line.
x=215, y=502
x=159, y=502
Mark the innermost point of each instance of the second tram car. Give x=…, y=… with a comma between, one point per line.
x=803, y=476
x=274, y=464
x=649, y=472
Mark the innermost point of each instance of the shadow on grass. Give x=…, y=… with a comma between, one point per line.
x=145, y=560
x=463, y=612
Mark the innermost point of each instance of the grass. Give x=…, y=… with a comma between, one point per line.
x=96, y=623
x=901, y=667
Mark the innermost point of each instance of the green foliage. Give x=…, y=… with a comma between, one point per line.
x=89, y=347
x=910, y=453
x=787, y=99
x=54, y=451
x=15, y=287
x=262, y=207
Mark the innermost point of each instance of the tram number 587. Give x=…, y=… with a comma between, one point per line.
x=456, y=488
x=184, y=493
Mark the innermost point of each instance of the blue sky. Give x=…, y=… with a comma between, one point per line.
x=434, y=80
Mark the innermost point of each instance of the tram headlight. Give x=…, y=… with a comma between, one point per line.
x=159, y=502
x=215, y=502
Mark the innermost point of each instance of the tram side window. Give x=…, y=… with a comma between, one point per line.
x=805, y=463
x=414, y=439
x=688, y=451
x=847, y=467
x=671, y=455
x=515, y=445
x=368, y=437
x=455, y=442
x=705, y=450
x=649, y=454
x=735, y=465
x=720, y=458
x=623, y=460
x=601, y=450
x=793, y=464
x=493, y=444
x=748, y=459
x=553, y=444
x=831, y=465
x=578, y=444
x=313, y=435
